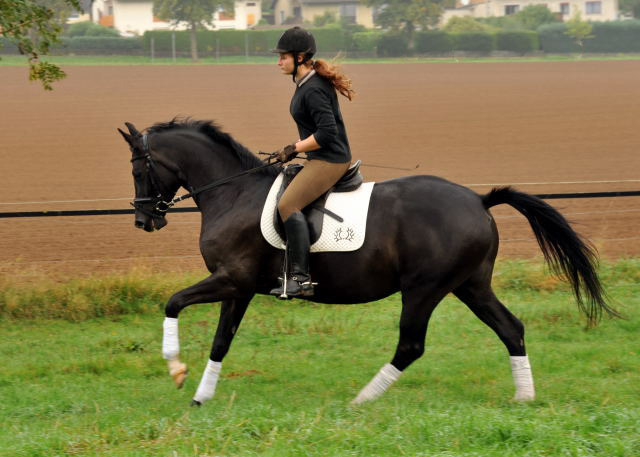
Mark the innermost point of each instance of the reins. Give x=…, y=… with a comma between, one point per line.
x=162, y=206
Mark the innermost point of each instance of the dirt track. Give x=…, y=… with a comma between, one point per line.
x=477, y=124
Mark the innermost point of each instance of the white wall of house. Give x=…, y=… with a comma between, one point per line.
x=590, y=10
x=136, y=17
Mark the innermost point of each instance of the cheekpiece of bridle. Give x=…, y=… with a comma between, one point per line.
x=159, y=204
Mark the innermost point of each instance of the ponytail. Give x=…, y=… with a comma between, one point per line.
x=340, y=81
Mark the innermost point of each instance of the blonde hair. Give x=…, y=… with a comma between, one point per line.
x=333, y=73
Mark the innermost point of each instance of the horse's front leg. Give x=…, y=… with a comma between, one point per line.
x=212, y=289
x=231, y=313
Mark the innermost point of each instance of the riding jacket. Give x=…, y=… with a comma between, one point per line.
x=315, y=109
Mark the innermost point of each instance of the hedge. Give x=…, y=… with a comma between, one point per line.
x=436, y=42
x=366, y=41
x=393, y=45
x=232, y=42
x=480, y=42
x=609, y=37
x=520, y=41
x=101, y=45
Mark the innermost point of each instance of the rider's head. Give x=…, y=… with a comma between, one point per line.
x=296, y=47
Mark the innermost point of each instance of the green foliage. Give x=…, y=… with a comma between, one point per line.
x=102, y=45
x=34, y=28
x=533, y=16
x=88, y=28
x=408, y=15
x=505, y=23
x=433, y=41
x=579, y=30
x=329, y=17
x=465, y=24
x=609, y=37
x=478, y=42
x=366, y=41
x=521, y=42
x=631, y=7
x=393, y=44
x=196, y=13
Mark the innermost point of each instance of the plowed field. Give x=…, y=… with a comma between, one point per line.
x=546, y=127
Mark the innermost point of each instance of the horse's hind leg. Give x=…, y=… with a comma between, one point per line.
x=477, y=294
x=417, y=306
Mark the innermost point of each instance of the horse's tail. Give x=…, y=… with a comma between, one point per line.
x=566, y=253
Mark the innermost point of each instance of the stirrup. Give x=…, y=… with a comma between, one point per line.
x=290, y=288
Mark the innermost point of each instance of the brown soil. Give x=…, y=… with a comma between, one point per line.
x=475, y=124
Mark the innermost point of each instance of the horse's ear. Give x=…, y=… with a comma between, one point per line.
x=132, y=129
x=126, y=137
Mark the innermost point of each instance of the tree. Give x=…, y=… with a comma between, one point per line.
x=579, y=30
x=631, y=6
x=409, y=15
x=464, y=24
x=34, y=26
x=196, y=13
x=533, y=16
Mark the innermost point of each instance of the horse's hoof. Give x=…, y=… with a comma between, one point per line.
x=178, y=372
x=195, y=403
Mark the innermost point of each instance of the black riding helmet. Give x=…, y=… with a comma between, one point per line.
x=296, y=40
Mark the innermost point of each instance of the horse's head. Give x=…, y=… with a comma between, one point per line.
x=154, y=182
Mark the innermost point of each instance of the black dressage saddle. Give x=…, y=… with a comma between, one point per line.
x=315, y=211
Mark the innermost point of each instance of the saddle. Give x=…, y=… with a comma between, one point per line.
x=315, y=211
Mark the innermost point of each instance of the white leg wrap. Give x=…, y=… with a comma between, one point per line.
x=522, y=378
x=170, y=342
x=207, y=386
x=387, y=375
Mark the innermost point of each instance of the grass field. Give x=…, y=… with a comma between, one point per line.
x=11, y=60
x=98, y=386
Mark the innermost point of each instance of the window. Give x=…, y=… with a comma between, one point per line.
x=281, y=17
x=511, y=9
x=565, y=9
x=251, y=4
x=593, y=8
x=348, y=13
x=297, y=11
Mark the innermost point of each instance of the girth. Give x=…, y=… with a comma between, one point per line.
x=315, y=211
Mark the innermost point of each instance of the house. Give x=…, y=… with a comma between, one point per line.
x=590, y=10
x=299, y=11
x=134, y=17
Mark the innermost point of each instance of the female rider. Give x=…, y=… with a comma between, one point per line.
x=314, y=108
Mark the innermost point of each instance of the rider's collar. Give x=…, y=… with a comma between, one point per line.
x=306, y=78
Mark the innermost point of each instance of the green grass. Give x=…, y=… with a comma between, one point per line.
x=10, y=60
x=99, y=386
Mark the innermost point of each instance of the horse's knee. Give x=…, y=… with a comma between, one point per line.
x=174, y=306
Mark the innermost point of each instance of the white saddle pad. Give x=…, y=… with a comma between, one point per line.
x=336, y=236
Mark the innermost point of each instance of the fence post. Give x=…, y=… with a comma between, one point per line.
x=217, y=48
x=153, y=49
x=246, y=46
x=173, y=46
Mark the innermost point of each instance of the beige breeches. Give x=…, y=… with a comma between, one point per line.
x=314, y=179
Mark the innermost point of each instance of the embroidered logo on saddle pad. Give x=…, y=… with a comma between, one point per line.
x=347, y=235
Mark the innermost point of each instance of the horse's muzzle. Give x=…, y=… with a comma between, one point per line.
x=149, y=224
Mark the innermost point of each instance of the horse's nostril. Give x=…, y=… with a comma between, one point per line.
x=139, y=224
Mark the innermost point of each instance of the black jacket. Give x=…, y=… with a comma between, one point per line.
x=315, y=109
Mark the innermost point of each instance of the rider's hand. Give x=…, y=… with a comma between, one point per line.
x=287, y=153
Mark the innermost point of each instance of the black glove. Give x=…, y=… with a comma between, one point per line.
x=286, y=154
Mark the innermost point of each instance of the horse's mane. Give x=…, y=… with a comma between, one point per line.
x=212, y=131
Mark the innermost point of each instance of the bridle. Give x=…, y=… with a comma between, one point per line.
x=161, y=203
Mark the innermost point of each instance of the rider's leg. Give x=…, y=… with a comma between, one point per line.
x=313, y=180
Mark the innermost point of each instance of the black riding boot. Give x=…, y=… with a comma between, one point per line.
x=296, y=278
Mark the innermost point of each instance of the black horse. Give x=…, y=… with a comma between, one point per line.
x=425, y=237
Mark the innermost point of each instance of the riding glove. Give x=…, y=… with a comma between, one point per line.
x=287, y=153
